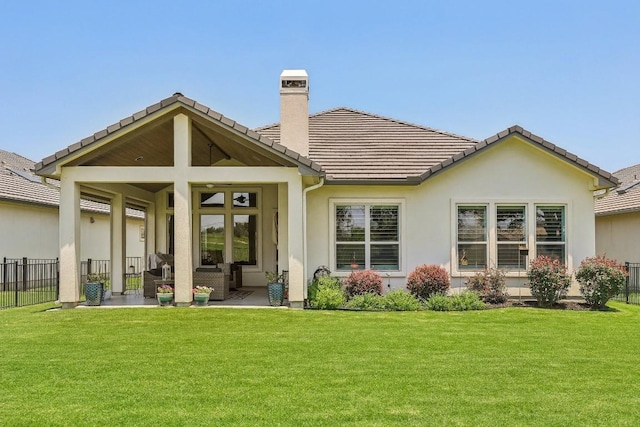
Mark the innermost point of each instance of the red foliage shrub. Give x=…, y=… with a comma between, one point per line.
x=362, y=281
x=427, y=280
x=548, y=280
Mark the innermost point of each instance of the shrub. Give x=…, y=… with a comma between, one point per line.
x=362, y=281
x=438, y=302
x=490, y=285
x=367, y=301
x=600, y=279
x=400, y=300
x=332, y=282
x=328, y=298
x=427, y=280
x=466, y=301
x=548, y=280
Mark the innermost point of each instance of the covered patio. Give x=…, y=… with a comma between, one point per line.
x=213, y=192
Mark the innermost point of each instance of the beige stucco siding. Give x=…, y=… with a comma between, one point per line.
x=510, y=172
x=618, y=236
x=32, y=231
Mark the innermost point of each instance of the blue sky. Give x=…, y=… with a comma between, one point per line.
x=567, y=71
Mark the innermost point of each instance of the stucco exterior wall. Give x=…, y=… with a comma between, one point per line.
x=32, y=231
x=510, y=172
x=618, y=236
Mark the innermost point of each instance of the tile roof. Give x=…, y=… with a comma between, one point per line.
x=178, y=98
x=18, y=183
x=353, y=145
x=624, y=198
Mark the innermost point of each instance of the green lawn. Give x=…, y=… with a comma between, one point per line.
x=173, y=366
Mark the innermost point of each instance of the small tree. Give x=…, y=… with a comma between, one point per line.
x=600, y=280
x=363, y=281
x=490, y=285
x=427, y=280
x=548, y=280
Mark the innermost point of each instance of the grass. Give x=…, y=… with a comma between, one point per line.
x=173, y=366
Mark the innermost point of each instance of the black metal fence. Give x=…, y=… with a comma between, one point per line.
x=631, y=294
x=28, y=281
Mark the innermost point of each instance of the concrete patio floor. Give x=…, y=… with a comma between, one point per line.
x=245, y=297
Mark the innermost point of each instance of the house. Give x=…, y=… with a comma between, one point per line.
x=618, y=218
x=29, y=213
x=341, y=188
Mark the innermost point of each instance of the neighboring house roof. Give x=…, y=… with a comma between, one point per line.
x=193, y=106
x=353, y=146
x=18, y=183
x=624, y=198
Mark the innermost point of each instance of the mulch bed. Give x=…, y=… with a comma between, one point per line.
x=575, y=305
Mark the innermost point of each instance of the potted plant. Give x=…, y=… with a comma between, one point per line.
x=275, y=288
x=165, y=295
x=94, y=289
x=201, y=295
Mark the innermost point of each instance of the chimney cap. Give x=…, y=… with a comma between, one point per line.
x=294, y=81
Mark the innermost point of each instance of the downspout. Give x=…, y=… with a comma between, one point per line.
x=304, y=230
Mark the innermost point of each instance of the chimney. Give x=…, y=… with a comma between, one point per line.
x=294, y=111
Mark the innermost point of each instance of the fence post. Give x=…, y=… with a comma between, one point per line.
x=626, y=286
x=4, y=274
x=25, y=272
x=15, y=286
x=57, y=267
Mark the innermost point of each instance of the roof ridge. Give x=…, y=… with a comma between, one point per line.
x=378, y=116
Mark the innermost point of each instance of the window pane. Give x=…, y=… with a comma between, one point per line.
x=552, y=251
x=211, y=239
x=472, y=256
x=385, y=257
x=245, y=200
x=350, y=223
x=211, y=200
x=472, y=224
x=510, y=224
x=383, y=223
x=550, y=223
x=509, y=256
x=350, y=257
x=245, y=239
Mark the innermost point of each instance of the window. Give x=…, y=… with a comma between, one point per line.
x=229, y=227
x=472, y=237
x=211, y=239
x=550, y=232
x=367, y=236
x=510, y=235
x=499, y=235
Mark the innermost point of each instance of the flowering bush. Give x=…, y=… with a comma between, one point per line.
x=427, y=280
x=489, y=285
x=363, y=281
x=165, y=289
x=600, y=279
x=548, y=280
x=202, y=290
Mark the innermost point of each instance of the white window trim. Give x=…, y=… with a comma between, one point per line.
x=333, y=202
x=492, y=253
